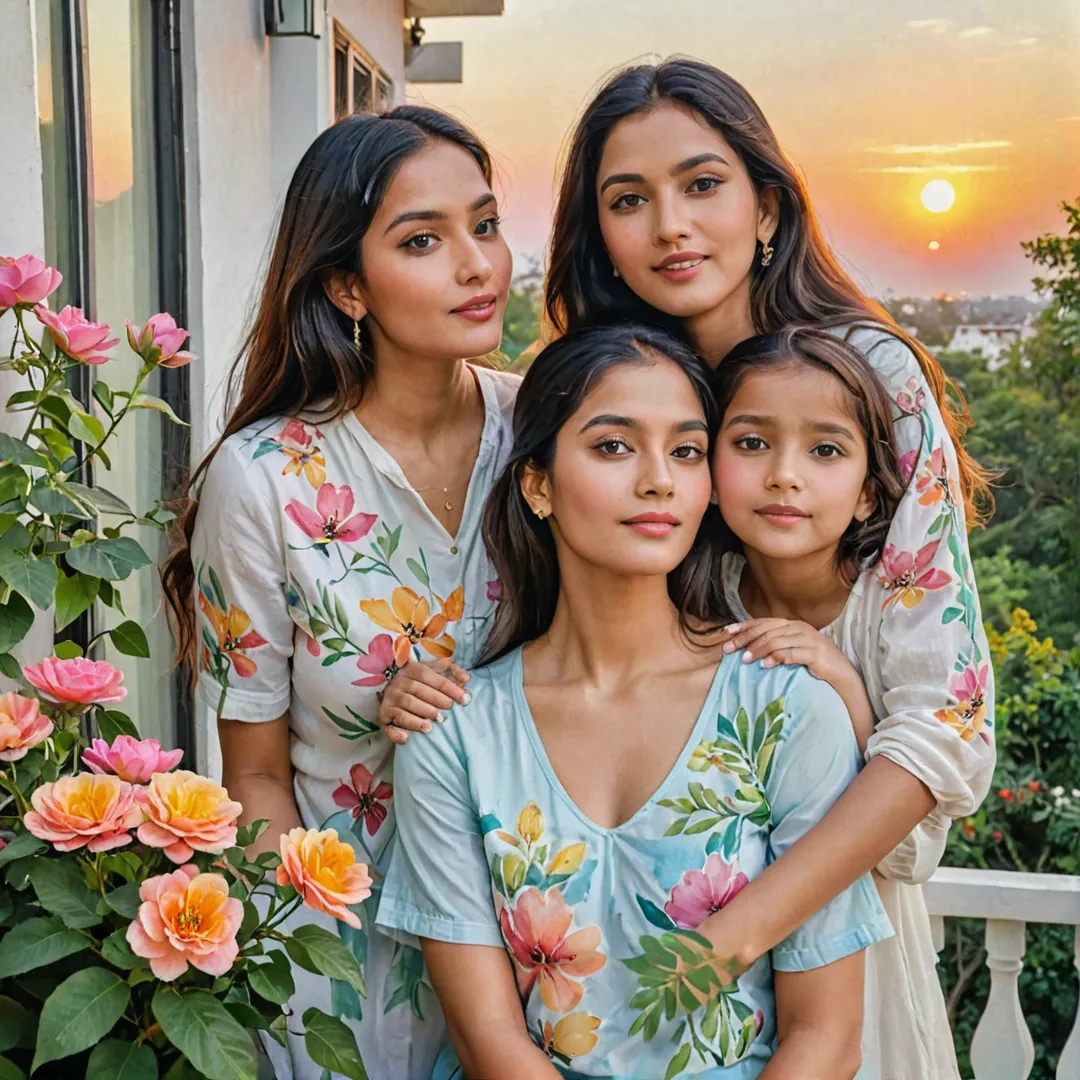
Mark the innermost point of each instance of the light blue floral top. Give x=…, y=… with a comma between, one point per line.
x=599, y=923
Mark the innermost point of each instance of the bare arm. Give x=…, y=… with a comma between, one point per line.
x=882, y=805
x=479, y=996
x=819, y=1020
x=258, y=774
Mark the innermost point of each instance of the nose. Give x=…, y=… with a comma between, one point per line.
x=672, y=221
x=473, y=266
x=784, y=473
x=655, y=477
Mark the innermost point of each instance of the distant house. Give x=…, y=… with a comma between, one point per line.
x=991, y=340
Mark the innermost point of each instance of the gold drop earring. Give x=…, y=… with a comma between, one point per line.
x=356, y=336
x=767, y=251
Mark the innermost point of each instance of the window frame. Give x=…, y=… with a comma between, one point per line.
x=381, y=86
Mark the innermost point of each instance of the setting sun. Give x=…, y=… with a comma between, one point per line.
x=938, y=196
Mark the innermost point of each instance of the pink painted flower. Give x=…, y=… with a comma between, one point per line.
x=26, y=280
x=494, y=591
x=704, y=892
x=933, y=484
x=968, y=716
x=75, y=335
x=364, y=803
x=536, y=930
x=22, y=726
x=159, y=341
x=906, y=465
x=84, y=810
x=186, y=813
x=77, y=681
x=186, y=918
x=384, y=659
x=133, y=760
x=912, y=399
x=324, y=871
x=907, y=576
x=331, y=520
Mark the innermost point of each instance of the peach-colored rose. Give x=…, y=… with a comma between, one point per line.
x=75, y=335
x=25, y=280
x=185, y=813
x=84, y=810
x=133, y=760
x=186, y=918
x=22, y=726
x=77, y=681
x=324, y=871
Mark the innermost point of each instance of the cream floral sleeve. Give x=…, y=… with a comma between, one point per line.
x=935, y=664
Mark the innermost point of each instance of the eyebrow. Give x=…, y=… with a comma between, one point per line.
x=820, y=426
x=683, y=166
x=612, y=420
x=438, y=215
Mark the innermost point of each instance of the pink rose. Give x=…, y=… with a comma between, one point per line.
x=84, y=810
x=77, y=681
x=703, y=892
x=26, y=280
x=75, y=335
x=22, y=726
x=159, y=341
x=133, y=760
x=186, y=918
x=186, y=813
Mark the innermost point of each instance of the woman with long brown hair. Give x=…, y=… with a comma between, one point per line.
x=336, y=537
x=677, y=206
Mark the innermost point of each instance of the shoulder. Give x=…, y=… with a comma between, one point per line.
x=888, y=354
x=503, y=386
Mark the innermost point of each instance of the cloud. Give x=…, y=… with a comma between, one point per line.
x=977, y=31
x=1066, y=119
x=1027, y=41
x=942, y=149
x=935, y=26
x=935, y=169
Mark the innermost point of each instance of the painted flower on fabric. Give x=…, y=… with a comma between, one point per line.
x=22, y=726
x=907, y=577
x=704, y=892
x=968, y=716
x=494, y=590
x=385, y=658
x=234, y=635
x=933, y=484
x=572, y=1036
x=409, y=617
x=537, y=932
x=332, y=519
x=305, y=457
x=912, y=399
x=906, y=464
x=365, y=802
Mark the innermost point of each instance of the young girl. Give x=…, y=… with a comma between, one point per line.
x=678, y=206
x=611, y=784
x=337, y=533
x=808, y=479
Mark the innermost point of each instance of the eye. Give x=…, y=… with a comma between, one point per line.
x=488, y=227
x=612, y=447
x=424, y=241
x=628, y=201
x=703, y=184
x=827, y=450
x=752, y=442
x=688, y=452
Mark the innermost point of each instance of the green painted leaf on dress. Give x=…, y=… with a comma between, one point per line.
x=418, y=571
x=678, y=1062
x=79, y=1013
x=951, y=614
x=655, y=915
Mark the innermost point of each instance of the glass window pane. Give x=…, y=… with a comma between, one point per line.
x=341, y=82
x=361, y=88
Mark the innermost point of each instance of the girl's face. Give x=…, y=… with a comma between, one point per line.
x=678, y=212
x=790, y=463
x=630, y=480
x=436, y=270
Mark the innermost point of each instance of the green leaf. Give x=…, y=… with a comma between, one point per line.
x=58, y=445
x=111, y=723
x=14, y=486
x=9, y=666
x=331, y=1044
x=199, y=1026
x=74, y=595
x=274, y=980
x=100, y=499
x=125, y=900
x=246, y=835
x=10, y=1071
x=118, y=952
x=115, y=1059
x=79, y=1013
x=148, y=401
x=103, y=395
x=678, y=1062
x=61, y=891
x=33, y=578
x=324, y=953
x=17, y=1025
x=704, y=825
x=85, y=427
x=35, y=943
x=113, y=560
x=67, y=650
x=15, y=450
x=16, y=618
x=130, y=639
x=23, y=845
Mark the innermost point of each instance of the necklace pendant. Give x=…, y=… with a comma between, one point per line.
x=448, y=505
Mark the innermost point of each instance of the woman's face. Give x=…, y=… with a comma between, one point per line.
x=630, y=480
x=678, y=212
x=436, y=270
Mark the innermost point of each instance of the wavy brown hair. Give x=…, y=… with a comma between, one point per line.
x=299, y=354
x=804, y=284
x=868, y=405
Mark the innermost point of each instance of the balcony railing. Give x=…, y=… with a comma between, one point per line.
x=1001, y=1048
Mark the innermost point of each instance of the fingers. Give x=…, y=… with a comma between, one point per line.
x=793, y=655
x=396, y=735
x=450, y=685
x=409, y=715
x=742, y=634
x=448, y=667
x=783, y=637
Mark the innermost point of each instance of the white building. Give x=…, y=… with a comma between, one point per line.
x=146, y=146
x=991, y=341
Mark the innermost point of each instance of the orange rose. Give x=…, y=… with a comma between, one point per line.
x=324, y=871
x=84, y=810
x=186, y=813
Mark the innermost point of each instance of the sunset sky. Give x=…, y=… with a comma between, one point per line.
x=873, y=100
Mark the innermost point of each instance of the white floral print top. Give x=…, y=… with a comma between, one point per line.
x=319, y=572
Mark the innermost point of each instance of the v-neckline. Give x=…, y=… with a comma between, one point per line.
x=388, y=465
x=517, y=679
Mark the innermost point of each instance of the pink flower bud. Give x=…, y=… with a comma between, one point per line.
x=133, y=760
x=26, y=280
x=159, y=341
x=77, y=681
x=75, y=335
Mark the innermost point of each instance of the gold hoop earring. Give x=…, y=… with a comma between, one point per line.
x=356, y=335
x=767, y=251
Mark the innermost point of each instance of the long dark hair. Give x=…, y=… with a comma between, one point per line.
x=870, y=408
x=299, y=352
x=521, y=545
x=804, y=284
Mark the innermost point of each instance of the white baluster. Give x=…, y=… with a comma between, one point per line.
x=1069, y=1062
x=937, y=933
x=1002, y=1048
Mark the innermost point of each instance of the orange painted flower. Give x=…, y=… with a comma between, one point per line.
x=324, y=871
x=234, y=635
x=409, y=616
x=933, y=484
x=22, y=726
x=968, y=716
x=572, y=1036
x=306, y=458
x=186, y=918
x=186, y=813
x=85, y=810
x=536, y=930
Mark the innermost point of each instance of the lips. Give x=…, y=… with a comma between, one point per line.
x=782, y=514
x=653, y=524
x=479, y=308
x=680, y=265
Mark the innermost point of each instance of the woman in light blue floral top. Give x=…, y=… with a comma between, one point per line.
x=566, y=837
